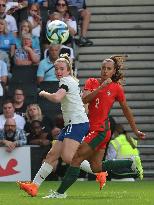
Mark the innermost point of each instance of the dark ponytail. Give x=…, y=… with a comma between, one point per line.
x=119, y=67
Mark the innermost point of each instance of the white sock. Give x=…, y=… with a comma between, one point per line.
x=85, y=166
x=42, y=174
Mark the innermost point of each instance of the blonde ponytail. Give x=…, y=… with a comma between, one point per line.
x=65, y=58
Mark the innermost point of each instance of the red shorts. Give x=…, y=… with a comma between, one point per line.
x=98, y=139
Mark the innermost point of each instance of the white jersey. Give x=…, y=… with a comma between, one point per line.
x=72, y=106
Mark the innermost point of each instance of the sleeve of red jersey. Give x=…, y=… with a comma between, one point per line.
x=120, y=94
x=89, y=84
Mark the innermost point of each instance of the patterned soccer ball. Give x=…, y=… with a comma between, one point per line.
x=57, y=32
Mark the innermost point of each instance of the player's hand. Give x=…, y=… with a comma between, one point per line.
x=106, y=82
x=141, y=135
x=42, y=93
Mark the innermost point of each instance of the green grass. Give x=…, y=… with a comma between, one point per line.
x=83, y=193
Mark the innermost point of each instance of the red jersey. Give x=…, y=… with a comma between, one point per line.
x=101, y=105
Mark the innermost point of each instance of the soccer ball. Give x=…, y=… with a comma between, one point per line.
x=57, y=32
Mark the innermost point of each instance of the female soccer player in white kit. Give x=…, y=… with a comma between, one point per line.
x=75, y=120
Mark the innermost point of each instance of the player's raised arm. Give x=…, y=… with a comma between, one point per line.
x=88, y=96
x=54, y=97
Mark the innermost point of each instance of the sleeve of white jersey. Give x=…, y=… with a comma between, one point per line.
x=64, y=81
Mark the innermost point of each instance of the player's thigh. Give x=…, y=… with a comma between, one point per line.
x=69, y=148
x=55, y=152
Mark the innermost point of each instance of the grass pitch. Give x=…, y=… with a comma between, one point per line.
x=83, y=193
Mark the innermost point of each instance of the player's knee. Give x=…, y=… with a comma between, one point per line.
x=51, y=158
x=66, y=159
x=76, y=161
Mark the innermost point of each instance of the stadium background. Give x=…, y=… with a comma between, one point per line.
x=117, y=27
x=123, y=27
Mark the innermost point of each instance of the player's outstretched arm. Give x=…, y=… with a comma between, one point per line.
x=54, y=97
x=129, y=116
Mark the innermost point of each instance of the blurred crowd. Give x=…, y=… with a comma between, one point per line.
x=23, y=34
x=23, y=42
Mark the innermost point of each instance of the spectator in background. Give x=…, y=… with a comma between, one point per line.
x=19, y=102
x=34, y=112
x=3, y=77
x=9, y=112
x=85, y=15
x=62, y=7
x=37, y=135
x=46, y=69
x=24, y=28
x=26, y=55
x=16, y=8
x=11, y=22
x=5, y=58
x=11, y=136
x=7, y=40
x=63, y=50
x=122, y=146
x=35, y=19
x=54, y=16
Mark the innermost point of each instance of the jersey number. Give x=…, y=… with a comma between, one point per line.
x=97, y=103
x=69, y=129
